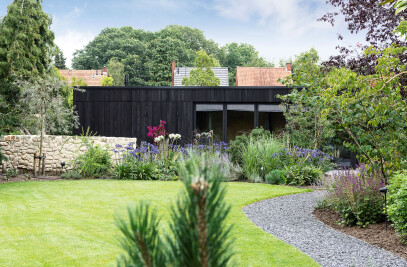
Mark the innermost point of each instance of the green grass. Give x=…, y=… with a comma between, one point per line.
x=71, y=223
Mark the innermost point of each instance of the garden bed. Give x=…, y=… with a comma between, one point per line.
x=375, y=234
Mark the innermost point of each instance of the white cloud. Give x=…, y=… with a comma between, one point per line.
x=290, y=18
x=69, y=41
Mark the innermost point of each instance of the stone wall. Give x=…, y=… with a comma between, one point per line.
x=20, y=149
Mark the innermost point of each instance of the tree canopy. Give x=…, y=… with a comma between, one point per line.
x=378, y=23
x=147, y=56
x=26, y=41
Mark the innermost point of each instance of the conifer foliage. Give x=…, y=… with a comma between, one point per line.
x=198, y=233
x=26, y=41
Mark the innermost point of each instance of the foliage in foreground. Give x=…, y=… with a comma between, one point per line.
x=397, y=206
x=199, y=236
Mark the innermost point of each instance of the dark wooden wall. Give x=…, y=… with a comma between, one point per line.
x=127, y=111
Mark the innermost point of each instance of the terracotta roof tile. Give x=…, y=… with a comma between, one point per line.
x=90, y=77
x=260, y=76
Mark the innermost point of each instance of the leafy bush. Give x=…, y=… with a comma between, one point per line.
x=356, y=196
x=71, y=175
x=238, y=145
x=94, y=162
x=302, y=174
x=276, y=177
x=122, y=171
x=302, y=156
x=142, y=170
x=257, y=153
x=397, y=208
x=133, y=169
x=236, y=148
x=255, y=178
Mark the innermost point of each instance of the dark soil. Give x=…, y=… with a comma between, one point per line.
x=375, y=234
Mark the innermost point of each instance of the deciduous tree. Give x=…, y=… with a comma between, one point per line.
x=115, y=69
x=245, y=55
x=203, y=75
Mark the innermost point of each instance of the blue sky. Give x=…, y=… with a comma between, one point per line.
x=277, y=28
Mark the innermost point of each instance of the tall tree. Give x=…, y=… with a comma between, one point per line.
x=203, y=75
x=161, y=52
x=305, y=124
x=59, y=59
x=115, y=69
x=26, y=41
x=26, y=45
x=244, y=55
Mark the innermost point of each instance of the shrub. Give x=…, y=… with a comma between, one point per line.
x=73, y=174
x=356, y=196
x=302, y=174
x=236, y=148
x=94, y=162
x=255, y=178
x=276, y=177
x=133, y=169
x=238, y=145
x=257, y=155
x=397, y=208
x=303, y=156
x=143, y=170
x=122, y=171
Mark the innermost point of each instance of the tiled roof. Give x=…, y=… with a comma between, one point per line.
x=181, y=72
x=259, y=76
x=90, y=77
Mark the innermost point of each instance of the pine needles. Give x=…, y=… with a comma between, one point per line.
x=198, y=236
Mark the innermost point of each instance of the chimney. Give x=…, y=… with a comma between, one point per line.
x=288, y=66
x=104, y=70
x=237, y=78
x=173, y=65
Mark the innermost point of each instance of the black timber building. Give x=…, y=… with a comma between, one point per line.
x=127, y=111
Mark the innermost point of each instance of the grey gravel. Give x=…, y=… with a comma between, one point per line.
x=290, y=219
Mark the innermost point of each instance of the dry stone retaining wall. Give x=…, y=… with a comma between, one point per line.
x=20, y=149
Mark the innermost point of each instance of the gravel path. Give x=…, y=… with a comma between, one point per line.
x=290, y=219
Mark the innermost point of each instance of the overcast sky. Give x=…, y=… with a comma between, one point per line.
x=276, y=28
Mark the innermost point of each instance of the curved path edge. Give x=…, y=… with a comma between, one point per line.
x=290, y=219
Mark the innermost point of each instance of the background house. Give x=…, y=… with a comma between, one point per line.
x=261, y=76
x=90, y=77
x=178, y=73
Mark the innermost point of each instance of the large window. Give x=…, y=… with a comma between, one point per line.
x=240, y=119
x=210, y=117
x=229, y=120
x=271, y=118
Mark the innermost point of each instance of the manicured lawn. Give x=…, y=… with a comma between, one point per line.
x=71, y=223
